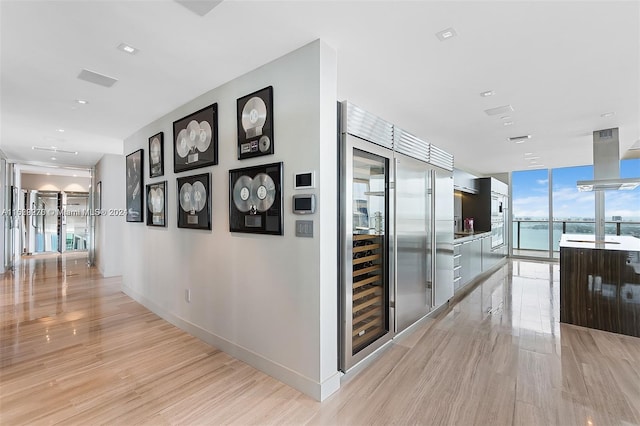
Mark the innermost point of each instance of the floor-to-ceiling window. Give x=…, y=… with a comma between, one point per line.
x=530, y=201
x=536, y=192
x=622, y=208
x=573, y=211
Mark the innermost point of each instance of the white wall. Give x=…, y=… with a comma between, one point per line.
x=55, y=183
x=110, y=171
x=268, y=300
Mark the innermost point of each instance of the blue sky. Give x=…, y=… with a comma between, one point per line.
x=531, y=191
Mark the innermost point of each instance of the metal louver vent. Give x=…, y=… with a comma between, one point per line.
x=367, y=126
x=440, y=158
x=606, y=134
x=408, y=144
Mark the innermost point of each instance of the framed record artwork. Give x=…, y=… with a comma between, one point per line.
x=195, y=140
x=156, y=155
x=194, y=201
x=255, y=199
x=157, y=204
x=255, y=124
x=134, y=182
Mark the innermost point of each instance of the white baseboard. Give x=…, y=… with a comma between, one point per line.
x=317, y=391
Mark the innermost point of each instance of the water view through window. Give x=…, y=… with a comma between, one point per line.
x=573, y=212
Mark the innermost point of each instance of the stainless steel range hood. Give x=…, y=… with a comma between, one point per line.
x=606, y=164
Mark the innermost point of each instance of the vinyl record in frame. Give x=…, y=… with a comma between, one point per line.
x=134, y=180
x=156, y=155
x=255, y=124
x=194, y=201
x=157, y=204
x=195, y=140
x=255, y=199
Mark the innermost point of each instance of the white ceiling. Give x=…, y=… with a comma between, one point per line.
x=559, y=64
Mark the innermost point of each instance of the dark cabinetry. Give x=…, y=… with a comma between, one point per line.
x=599, y=289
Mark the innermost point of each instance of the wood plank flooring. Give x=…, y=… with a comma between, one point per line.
x=76, y=350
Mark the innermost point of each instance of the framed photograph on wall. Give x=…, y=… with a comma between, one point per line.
x=195, y=140
x=157, y=204
x=194, y=201
x=156, y=155
x=255, y=124
x=134, y=182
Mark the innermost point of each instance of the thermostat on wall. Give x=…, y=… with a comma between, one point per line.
x=304, y=204
x=304, y=180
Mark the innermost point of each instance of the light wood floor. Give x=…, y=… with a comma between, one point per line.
x=75, y=350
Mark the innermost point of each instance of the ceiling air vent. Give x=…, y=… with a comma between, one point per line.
x=505, y=109
x=519, y=139
x=96, y=78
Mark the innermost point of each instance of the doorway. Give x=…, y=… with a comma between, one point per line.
x=57, y=222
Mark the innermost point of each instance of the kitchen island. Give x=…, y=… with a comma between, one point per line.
x=600, y=282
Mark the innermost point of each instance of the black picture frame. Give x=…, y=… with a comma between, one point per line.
x=156, y=155
x=135, y=186
x=193, y=211
x=195, y=140
x=245, y=213
x=255, y=124
x=157, y=204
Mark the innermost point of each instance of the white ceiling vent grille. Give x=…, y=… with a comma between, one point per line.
x=499, y=110
x=97, y=78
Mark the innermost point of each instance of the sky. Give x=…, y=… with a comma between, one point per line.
x=531, y=194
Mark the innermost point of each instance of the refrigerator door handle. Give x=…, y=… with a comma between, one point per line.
x=433, y=237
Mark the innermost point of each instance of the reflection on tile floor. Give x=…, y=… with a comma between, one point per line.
x=498, y=357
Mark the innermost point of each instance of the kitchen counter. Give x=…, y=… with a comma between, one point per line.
x=600, y=283
x=472, y=256
x=461, y=237
x=611, y=242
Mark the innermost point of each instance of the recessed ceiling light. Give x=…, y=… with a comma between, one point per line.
x=61, y=130
x=519, y=139
x=48, y=174
x=81, y=101
x=607, y=114
x=507, y=123
x=446, y=34
x=532, y=159
x=128, y=48
x=528, y=153
x=53, y=158
x=535, y=166
x=487, y=93
x=505, y=117
x=75, y=175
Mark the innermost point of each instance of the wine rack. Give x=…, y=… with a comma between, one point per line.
x=368, y=290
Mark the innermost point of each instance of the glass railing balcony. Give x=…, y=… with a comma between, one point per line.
x=533, y=235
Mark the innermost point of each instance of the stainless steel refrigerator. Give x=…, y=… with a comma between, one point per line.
x=396, y=233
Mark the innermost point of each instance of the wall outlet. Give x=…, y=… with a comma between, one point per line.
x=187, y=295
